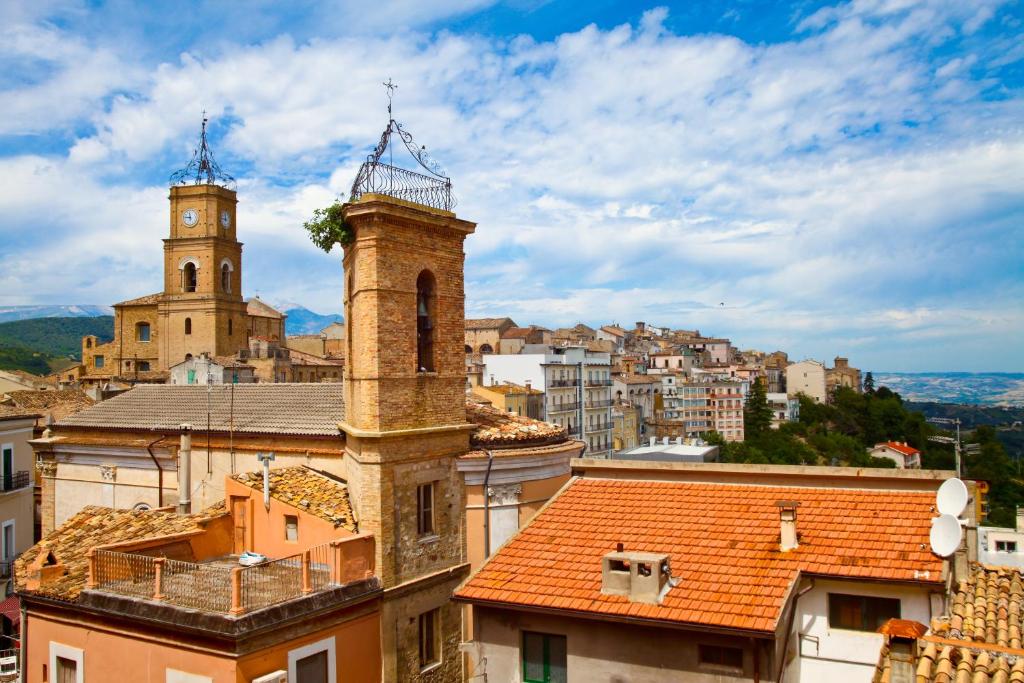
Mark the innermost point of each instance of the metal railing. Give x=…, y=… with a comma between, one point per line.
x=563, y=407
x=16, y=480
x=564, y=383
x=599, y=382
x=233, y=590
x=600, y=404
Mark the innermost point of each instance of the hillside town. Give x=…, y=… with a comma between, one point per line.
x=205, y=499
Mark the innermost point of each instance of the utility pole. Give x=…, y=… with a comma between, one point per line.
x=948, y=439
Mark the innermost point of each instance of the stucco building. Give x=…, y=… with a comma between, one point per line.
x=17, y=479
x=807, y=377
x=483, y=335
x=842, y=375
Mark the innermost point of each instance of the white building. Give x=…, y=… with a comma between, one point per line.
x=807, y=377
x=577, y=384
x=206, y=370
x=1000, y=546
x=666, y=450
x=784, y=408
x=905, y=457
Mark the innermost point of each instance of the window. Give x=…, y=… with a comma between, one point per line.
x=291, y=528
x=544, y=658
x=861, y=612
x=717, y=655
x=98, y=361
x=225, y=277
x=425, y=305
x=142, y=366
x=486, y=348
x=425, y=509
x=1006, y=546
x=66, y=663
x=313, y=663
x=430, y=632
x=142, y=332
x=231, y=328
x=188, y=325
x=188, y=277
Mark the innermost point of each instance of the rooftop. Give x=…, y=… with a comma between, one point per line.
x=59, y=403
x=300, y=409
x=307, y=490
x=147, y=300
x=257, y=307
x=94, y=526
x=496, y=429
x=487, y=323
x=723, y=544
x=899, y=447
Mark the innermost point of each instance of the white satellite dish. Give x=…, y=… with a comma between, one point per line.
x=951, y=498
x=945, y=535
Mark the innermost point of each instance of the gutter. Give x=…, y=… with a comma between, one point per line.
x=789, y=629
x=159, y=470
x=487, y=506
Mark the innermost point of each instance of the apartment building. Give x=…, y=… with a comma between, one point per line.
x=699, y=405
x=702, y=572
x=512, y=398
x=807, y=377
x=785, y=408
x=577, y=385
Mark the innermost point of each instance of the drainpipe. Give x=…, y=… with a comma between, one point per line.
x=789, y=629
x=185, y=470
x=487, y=506
x=159, y=470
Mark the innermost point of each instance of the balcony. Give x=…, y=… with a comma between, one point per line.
x=220, y=586
x=558, y=383
x=572, y=431
x=12, y=481
x=599, y=382
x=600, y=404
x=563, y=407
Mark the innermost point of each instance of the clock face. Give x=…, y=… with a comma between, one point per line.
x=225, y=219
x=190, y=217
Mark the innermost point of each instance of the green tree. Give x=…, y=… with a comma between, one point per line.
x=869, y=383
x=757, y=414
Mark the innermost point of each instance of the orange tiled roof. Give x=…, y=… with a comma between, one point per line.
x=495, y=428
x=900, y=447
x=306, y=490
x=722, y=540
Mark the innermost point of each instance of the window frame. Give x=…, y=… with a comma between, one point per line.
x=720, y=662
x=866, y=611
x=59, y=650
x=546, y=640
x=98, y=361
x=426, y=521
x=1008, y=546
x=139, y=326
x=429, y=644
x=287, y=526
x=328, y=645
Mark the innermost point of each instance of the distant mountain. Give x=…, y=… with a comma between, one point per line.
x=8, y=313
x=301, y=320
x=971, y=388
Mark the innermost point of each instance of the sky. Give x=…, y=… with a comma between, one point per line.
x=823, y=178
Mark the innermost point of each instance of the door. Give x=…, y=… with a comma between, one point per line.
x=239, y=509
x=67, y=670
x=8, y=465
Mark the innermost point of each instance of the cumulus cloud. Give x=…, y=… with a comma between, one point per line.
x=859, y=181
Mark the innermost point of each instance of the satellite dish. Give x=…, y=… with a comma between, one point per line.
x=945, y=535
x=951, y=498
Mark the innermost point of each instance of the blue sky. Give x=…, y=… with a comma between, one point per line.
x=829, y=179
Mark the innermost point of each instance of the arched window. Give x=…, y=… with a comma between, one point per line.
x=188, y=325
x=142, y=332
x=486, y=348
x=141, y=507
x=225, y=277
x=188, y=277
x=425, y=309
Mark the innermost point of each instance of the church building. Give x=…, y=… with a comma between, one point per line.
x=200, y=310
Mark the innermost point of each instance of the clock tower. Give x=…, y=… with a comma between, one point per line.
x=201, y=309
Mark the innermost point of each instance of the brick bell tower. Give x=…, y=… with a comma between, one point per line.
x=405, y=407
x=201, y=310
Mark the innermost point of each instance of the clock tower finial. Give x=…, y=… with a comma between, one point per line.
x=203, y=168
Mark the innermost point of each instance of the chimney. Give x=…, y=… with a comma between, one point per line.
x=664, y=441
x=901, y=635
x=529, y=385
x=185, y=470
x=788, y=537
x=492, y=380
x=641, y=577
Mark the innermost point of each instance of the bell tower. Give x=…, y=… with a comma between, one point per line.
x=201, y=310
x=405, y=404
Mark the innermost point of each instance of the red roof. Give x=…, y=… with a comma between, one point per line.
x=900, y=447
x=723, y=544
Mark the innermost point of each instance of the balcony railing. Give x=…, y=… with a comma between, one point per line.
x=572, y=431
x=563, y=407
x=565, y=383
x=599, y=382
x=13, y=481
x=600, y=404
x=230, y=590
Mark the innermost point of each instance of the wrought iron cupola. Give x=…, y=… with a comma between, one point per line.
x=376, y=176
x=203, y=168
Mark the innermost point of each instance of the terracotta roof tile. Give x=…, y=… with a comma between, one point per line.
x=899, y=447
x=486, y=323
x=147, y=300
x=306, y=490
x=59, y=403
x=722, y=540
x=258, y=307
x=307, y=409
x=94, y=526
x=496, y=428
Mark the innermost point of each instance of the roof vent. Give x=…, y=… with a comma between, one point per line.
x=788, y=538
x=641, y=577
